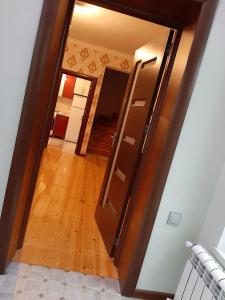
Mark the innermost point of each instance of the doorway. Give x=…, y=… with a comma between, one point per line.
x=74, y=99
x=107, y=112
x=35, y=163
x=68, y=186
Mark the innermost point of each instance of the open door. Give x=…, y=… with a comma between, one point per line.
x=111, y=208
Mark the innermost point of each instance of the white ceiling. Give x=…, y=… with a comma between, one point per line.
x=110, y=29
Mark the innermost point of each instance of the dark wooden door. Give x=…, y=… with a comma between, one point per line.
x=110, y=212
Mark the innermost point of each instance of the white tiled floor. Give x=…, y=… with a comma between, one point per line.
x=23, y=282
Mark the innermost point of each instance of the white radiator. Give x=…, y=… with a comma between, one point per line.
x=203, y=278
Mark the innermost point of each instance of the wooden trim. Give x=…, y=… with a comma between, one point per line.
x=174, y=16
x=55, y=97
x=51, y=110
x=182, y=102
x=87, y=108
x=85, y=118
x=77, y=74
x=152, y=295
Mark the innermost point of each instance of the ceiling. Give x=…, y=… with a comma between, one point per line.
x=109, y=29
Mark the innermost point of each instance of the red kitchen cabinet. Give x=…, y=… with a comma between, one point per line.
x=60, y=126
x=69, y=85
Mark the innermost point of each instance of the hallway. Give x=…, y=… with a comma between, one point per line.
x=62, y=232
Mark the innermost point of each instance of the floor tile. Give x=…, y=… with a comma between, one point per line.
x=57, y=275
x=37, y=273
x=52, y=288
x=83, y=293
x=75, y=279
x=8, y=283
x=29, y=282
x=111, y=285
x=73, y=294
x=6, y=296
x=112, y=296
x=95, y=282
x=93, y=294
x=18, y=269
x=32, y=285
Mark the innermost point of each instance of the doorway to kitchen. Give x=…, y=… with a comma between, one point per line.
x=74, y=100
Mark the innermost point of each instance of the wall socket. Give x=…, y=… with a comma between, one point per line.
x=174, y=218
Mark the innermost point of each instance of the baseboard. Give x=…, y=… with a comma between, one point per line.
x=152, y=295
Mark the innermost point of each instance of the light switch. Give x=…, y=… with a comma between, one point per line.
x=174, y=218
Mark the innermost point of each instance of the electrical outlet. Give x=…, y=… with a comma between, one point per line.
x=174, y=218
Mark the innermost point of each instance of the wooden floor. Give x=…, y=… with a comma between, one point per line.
x=62, y=232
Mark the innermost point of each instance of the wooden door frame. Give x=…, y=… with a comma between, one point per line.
x=87, y=107
x=27, y=152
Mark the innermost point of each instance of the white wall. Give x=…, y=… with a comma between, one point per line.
x=195, y=170
x=18, y=26
x=215, y=219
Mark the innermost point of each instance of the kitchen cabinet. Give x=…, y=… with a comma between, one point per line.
x=60, y=126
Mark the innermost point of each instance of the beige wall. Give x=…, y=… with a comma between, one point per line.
x=92, y=60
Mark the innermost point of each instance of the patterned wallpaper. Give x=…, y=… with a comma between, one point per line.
x=90, y=60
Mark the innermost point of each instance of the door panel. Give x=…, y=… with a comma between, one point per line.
x=109, y=213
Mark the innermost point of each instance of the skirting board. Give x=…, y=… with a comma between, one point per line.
x=152, y=295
